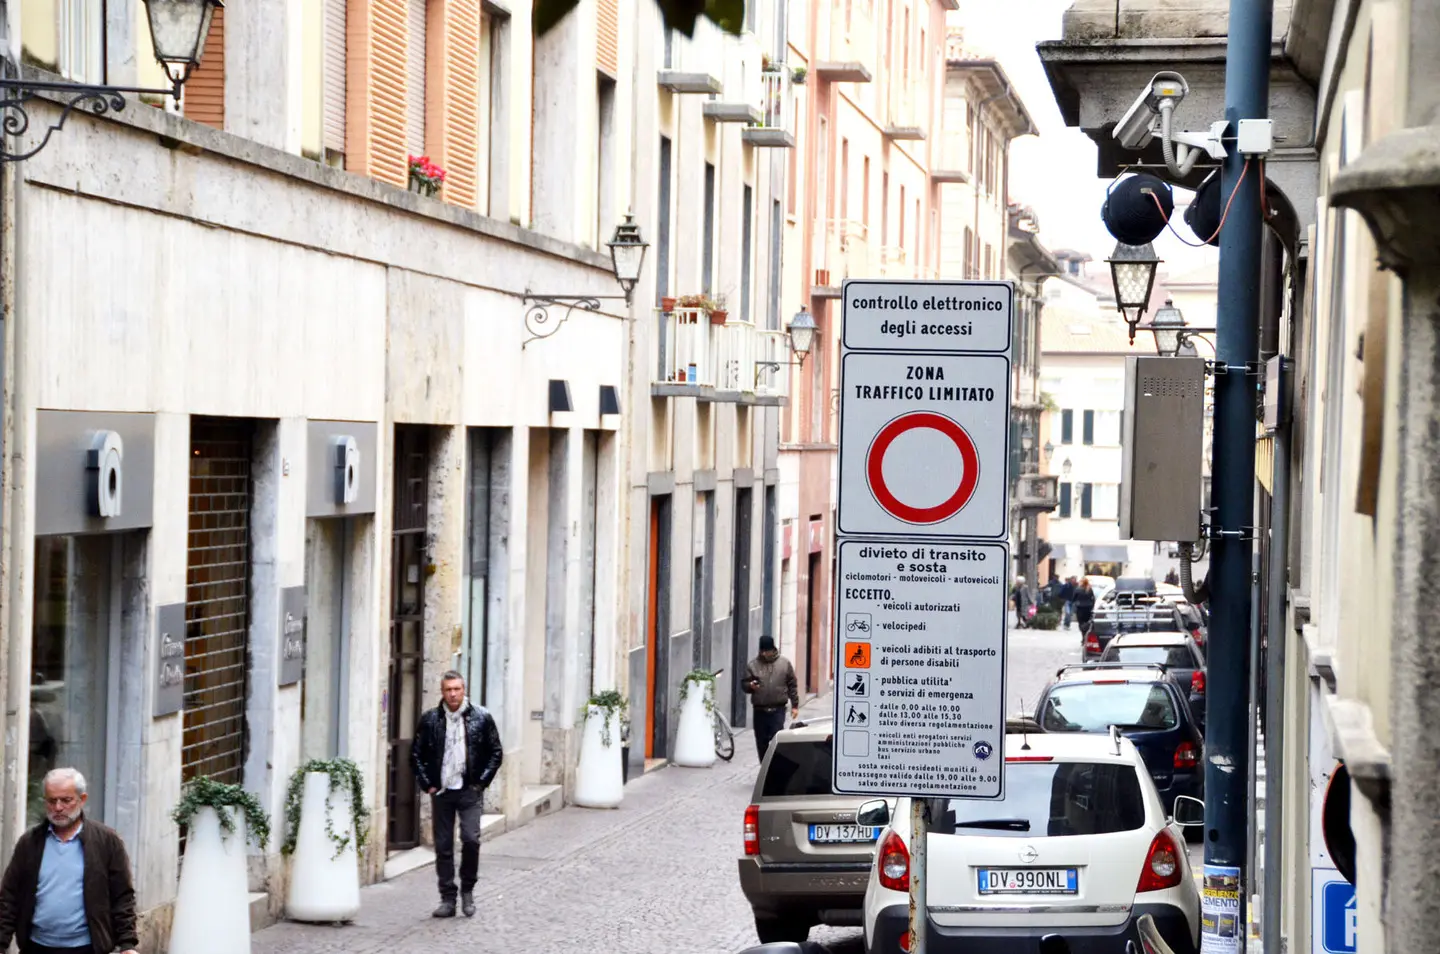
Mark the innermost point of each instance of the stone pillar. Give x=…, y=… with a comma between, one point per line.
x=564, y=128
x=263, y=79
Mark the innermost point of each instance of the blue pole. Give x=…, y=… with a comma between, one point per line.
x=1227, y=755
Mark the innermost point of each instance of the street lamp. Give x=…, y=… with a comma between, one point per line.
x=177, y=32
x=1171, y=332
x=802, y=334
x=627, y=255
x=1065, y=467
x=1049, y=451
x=1132, y=269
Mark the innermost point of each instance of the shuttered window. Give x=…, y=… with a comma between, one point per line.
x=454, y=121
x=375, y=85
x=335, y=75
x=204, y=97
x=415, y=78
x=607, y=37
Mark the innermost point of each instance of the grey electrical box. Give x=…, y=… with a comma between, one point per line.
x=1163, y=448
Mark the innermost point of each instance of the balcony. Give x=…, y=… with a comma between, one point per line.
x=904, y=119
x=731, y=362
x=894, y=263
x=852, y=44
x=953, y=159
x=770, y=129
x=846, y=255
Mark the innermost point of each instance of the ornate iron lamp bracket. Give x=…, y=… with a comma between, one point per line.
x=16, y=95
x=541, y=324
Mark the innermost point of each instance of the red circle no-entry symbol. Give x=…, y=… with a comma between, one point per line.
x=969, y=472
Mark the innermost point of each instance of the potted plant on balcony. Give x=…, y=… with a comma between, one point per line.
x=798, y=74
x=719, y=313
x=426, y=178
x=767, y=65
x=689, y=305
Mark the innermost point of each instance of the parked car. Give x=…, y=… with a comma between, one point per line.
x=1080, y=845
x=1127, y=611
x=1135, y=584
x=1102, y=585
x=1146, y=704
x=1181, y=656
x=805, y=859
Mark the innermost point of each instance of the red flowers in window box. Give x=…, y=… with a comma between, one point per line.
x=426, y=178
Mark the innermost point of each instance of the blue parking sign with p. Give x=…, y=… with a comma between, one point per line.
x=1339, y=919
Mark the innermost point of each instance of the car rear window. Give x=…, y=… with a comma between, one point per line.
x=1055, y=799
x=798, y=768
x=1094, y=707
x=1176, y=657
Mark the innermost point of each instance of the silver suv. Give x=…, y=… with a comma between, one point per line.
x=806, y=862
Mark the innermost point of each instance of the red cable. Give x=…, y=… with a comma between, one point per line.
x=1225, y=215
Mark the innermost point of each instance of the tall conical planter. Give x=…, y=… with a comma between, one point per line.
x=695, y=740
x=600, y=776
x=212, y=907
x=324, y=877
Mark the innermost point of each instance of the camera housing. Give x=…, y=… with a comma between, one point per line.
x=1141, y=121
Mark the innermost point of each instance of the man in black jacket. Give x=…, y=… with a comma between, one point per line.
x=67, y=889
x=456, y=754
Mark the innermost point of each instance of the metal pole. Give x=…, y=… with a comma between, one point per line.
x=1275, y=684
x=919, y=830
x=1247, y=94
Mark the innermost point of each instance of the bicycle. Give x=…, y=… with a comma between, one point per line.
x=724, y=735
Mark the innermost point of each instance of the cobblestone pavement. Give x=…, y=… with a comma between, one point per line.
x=656, y=876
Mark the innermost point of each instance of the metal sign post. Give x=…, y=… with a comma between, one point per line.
x=922, y=549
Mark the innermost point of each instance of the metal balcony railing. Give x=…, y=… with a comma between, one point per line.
x=776, y=113
x=772, y=364
x=685, y=348
x=894, y=263
x=847, y=251
x=733, y=361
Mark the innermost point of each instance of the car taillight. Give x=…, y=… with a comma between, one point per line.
x=1195, y=633
x=752, y=830
x=894, y=861
x=1187, y=756
x=1197, y=681
x=1092, y=643
x=1162, y=865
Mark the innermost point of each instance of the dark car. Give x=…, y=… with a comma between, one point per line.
x=1147, y=705
x=1128, y=611
x=1177, y=652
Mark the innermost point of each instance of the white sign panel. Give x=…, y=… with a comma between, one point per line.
x=974, y=317
x=920, y=669
x=924, y=445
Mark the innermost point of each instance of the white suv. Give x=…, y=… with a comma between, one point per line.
x=1079, y=846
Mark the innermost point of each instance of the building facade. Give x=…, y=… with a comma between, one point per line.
x=1346, y=498
x=862, y=201
x=363, y=435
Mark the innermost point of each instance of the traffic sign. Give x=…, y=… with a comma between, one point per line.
x=921, y=711
x=930, y=316
x=1336, y=924
x=924, y=445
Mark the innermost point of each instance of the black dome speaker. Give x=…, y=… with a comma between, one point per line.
x=1130, y=212
x=1203, y=216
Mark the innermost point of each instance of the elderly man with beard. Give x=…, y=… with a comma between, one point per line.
x=67, y=889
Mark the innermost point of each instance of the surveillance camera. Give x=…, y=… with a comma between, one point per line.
x=1140, y=123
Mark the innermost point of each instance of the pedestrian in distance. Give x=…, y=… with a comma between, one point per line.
x=770, y=683
x=1067, y=596
x=1084, y=605
x=1020, y=597
x=67, y=889
x=456, y=755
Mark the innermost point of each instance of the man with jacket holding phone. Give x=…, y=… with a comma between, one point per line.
x=770, y=683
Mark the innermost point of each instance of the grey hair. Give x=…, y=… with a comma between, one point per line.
x=449, y=674
x=64, y=775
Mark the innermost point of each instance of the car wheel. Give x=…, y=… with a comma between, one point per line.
x=772, y=930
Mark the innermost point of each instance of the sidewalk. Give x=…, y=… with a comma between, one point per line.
x=656, y=875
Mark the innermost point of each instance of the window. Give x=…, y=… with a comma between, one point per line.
x=662, y=230
x=1065, y=501
x=968, y=254
x=844, y=178
x=1171, y=657
x=1087, y=431
x=204, y=98
x=334, y=82
x=747, y=223
x=415, y=78
x=776, y=243
x=491, y=116
x=865, y=194
x=1106, y=501
x=82, y=32
x=1055, y=799
x=605, y=216
x=798, y=768
x=884, y=209
x=1085, y=501
x=1107, y=428
x=1088, y=707
x=902, y=216
x=707, y=264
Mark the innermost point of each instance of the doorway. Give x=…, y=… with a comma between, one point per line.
x=812, y=625
x=657, y=625
x=325, y=691
x=740, y=606
x=407, y=629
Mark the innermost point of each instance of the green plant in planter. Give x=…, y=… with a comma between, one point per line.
x=1047, y=618
x=206, y=792
x=701, y=676
x=613, y=703
x=798, y=75
x=344, y=774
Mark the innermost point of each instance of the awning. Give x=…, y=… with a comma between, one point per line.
x=1102, y=553
x=1057, y=551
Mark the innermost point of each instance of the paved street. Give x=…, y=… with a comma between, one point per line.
x=656, y=876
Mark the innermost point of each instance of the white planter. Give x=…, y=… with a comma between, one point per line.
x=695, y=741
x=212, y=906
x=600, y=777
x=324, y=885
